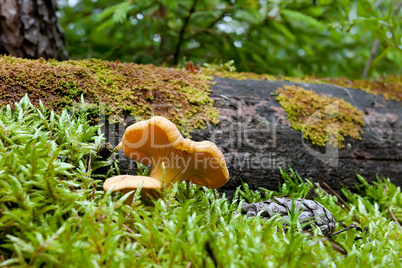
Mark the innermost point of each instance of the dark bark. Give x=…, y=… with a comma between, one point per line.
x=256, y=138
x=29, y=29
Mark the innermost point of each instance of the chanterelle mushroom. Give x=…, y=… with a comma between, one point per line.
x=127, y=183
x=157, y=141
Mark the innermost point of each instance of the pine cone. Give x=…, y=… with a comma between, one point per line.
x=312, y=212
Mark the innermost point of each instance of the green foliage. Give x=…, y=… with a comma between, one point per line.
x=142, y=170
x=54, y=213
x=327, y=38
x=293, y=184
x=382, y=193
x=44, y=172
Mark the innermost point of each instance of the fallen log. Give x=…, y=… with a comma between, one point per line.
x=257, y=138
x=255, y=133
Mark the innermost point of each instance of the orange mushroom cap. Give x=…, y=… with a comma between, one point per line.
x=157, y=141
x=128, y=182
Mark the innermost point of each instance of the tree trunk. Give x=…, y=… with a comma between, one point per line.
x=29, y=29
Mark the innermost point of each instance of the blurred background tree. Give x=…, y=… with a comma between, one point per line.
x=286, y=37
x=29, y=29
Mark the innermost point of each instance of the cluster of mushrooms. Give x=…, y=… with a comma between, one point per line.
x=174, y=159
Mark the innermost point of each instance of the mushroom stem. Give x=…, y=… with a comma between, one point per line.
x=171, y=175
x=187, y=189
x=119, y=146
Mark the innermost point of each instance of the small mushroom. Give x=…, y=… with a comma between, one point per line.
x=127, y=183
x=158, y=142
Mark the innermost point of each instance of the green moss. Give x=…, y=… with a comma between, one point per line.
x=118, y=88
x=321, y=119
x=55, y=213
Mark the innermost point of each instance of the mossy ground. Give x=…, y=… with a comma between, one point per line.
x=55, y=213
x=119, y=88
x=321, y=119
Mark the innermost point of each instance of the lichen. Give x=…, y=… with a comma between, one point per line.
x=321, y=119
x=117, y=88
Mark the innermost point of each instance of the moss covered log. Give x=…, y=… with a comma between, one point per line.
x=116, y=88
